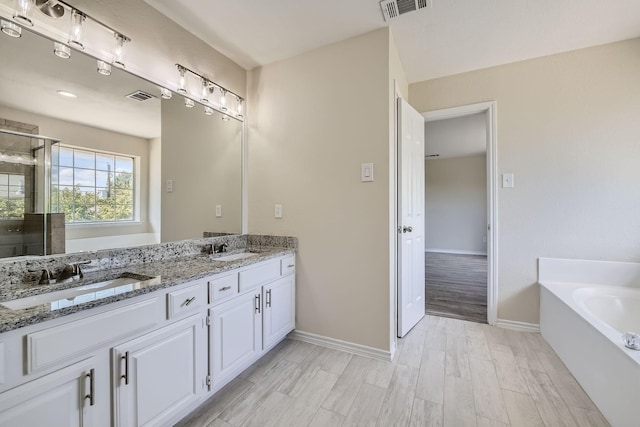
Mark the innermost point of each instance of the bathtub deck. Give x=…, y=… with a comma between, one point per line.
x=447, y=372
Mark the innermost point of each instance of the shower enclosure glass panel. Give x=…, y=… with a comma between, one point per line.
x=26, y=225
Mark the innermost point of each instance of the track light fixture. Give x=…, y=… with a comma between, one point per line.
x=11, y=29
x=61, y=50
x=104, y=68
x=24, y=11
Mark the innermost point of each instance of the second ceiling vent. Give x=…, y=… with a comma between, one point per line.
x=394, y=8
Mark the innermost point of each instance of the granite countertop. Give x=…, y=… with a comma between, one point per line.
x=171, y=272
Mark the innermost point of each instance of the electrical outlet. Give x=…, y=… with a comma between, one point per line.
x=278, y=211
x=169, y=186
x=507, y=180
x=218, y=211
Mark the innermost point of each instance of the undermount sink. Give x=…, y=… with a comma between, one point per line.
x=84, y=293
x=235, y=257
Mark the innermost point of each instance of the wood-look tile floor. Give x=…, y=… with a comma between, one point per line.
x=447, y=372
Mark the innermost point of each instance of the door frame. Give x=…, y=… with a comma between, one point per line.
x=490, y=110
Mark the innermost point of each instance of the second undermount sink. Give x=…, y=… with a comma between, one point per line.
x=235, y=257
x=84, y=293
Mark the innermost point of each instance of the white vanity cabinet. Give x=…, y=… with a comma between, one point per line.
x=158, y=374
x=235, y=336
x=279, y=310
x=245, y=326
x=63, y=398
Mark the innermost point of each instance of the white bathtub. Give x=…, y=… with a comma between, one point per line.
x=585, y=307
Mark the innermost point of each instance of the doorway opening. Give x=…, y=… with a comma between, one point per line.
x=460, y=213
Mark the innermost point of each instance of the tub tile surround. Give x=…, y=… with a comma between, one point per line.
x=572, y=293
x=174, y=262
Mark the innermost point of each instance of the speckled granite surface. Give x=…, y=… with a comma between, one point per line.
x=175, y=263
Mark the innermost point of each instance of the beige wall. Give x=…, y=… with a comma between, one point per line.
x=456, y=204
x=98, y=139
x=203, y=156
x=568, y=129
x=313, y=120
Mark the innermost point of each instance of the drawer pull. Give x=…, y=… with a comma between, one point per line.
x=126, y=368
x=226, y=288
x=91, y=376
x=189, y=301
x=290, y=266
x=258, y=303
x=268, y=302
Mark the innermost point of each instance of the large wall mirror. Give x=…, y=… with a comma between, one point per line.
x=123, y=167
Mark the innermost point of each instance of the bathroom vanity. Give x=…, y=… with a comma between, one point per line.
x=150, y=355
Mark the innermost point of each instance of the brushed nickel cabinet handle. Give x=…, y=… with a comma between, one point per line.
x=268, y=302
x=90, y=396
x=258, y=297
x=189, y=301
x=226, y=288
x=290, y=265
x=126, y=368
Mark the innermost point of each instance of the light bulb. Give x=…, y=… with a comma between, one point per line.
x=225, y=118
x=10, y=29
x=182, y=86
x=188, y=102
x=165, y=93
x=76, y=35
x=208, y=110
x=239, y=114
x=119, y=50
x=61, y=50
x=24, y=9
x=205, y=91
x=223, y=100
x=104, y=68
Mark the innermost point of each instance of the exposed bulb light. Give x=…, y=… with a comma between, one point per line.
x=182, y=86
x=205, y=91
x=223, y=100
x=239, y=113
x=66, y=94
x=188, y=102
x=11, y=29
x=76, y=35
x=61, y=50
x=208, y=110
x=24, y=10
x=119, y=50
x=165, y=93
x=104, y=68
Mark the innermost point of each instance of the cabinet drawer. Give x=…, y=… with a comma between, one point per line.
x=186, y=301
x=222, y=288
x=52, y=346
x=264, y=273
x=288, y=265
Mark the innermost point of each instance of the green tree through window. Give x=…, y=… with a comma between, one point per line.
x=92, y=186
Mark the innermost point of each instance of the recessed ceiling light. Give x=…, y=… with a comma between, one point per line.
x=67, y=94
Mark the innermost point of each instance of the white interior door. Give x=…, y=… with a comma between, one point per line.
x=411, y=283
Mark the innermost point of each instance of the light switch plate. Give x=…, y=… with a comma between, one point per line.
x=169, y=186
x=218, y=211
x=278, y=211
x=507, y=180
x=366, y=172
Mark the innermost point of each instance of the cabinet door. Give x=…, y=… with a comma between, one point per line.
x=236, y=335
x=63, y=398
x=156, y=375
x=279, y=310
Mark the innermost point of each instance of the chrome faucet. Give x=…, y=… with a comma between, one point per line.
x=220, y=248
x=73, y=271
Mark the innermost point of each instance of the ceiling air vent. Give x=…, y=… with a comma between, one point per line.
x=140, y=96
x=394, y=8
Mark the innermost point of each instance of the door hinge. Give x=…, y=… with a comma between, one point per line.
x=208, y=320
x=208, y=381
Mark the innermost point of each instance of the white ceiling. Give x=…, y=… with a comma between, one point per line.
x=457, y=137
x=452, y=37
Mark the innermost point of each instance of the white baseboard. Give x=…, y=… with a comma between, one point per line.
x=457, y=252
x=518, y=326
x=349, y=347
